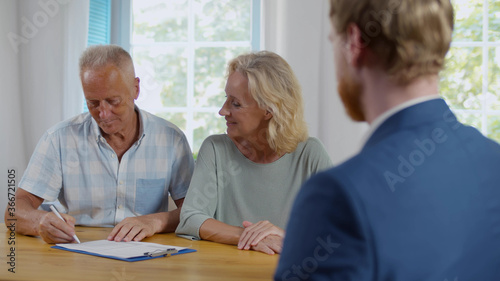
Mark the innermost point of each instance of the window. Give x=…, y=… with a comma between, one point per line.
x=99, y=22
x=470, y=82
x=180, y=50
x=99, y=26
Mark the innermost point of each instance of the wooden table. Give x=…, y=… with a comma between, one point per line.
x=36, y=260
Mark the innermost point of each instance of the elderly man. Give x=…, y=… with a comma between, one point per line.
x=113, y=166
x=421, y=201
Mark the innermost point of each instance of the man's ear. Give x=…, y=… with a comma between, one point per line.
x=355, y=45
x=137, y=87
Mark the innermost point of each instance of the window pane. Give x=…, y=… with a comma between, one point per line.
x=160, y=21
x=210, y=71
x=206, y=124
x=468, y=20
x=493, y=98
x=461, y=80
x=471, y=119
x=163, y=74
x=494, y=20
x=178, y=118
x=222, y=20
x=494, y=127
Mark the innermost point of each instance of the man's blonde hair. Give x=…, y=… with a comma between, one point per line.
x=273, y=85
x=409, y=37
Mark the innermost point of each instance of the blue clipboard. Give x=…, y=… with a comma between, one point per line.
x=131, y=259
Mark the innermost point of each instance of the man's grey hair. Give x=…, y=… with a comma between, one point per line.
x=97, y=56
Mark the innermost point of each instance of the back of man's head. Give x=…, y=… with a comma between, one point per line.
x=98, y=56
x=410, y=38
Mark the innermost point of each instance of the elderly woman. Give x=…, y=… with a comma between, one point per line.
x=245, y=181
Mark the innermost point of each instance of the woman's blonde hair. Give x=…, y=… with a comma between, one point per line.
x=273, y=85
x=410, y=37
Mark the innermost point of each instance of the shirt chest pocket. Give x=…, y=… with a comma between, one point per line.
x=149, y=195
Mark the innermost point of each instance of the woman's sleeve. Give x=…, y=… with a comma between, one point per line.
x=201, y=200
x=319, y=156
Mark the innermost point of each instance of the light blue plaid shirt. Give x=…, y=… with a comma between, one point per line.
x=73, y=163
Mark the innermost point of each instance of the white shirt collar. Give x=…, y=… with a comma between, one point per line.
x=384, y=116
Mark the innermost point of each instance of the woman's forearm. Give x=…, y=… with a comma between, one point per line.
x=216, y=231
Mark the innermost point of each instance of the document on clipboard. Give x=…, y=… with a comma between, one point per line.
x=126, y=251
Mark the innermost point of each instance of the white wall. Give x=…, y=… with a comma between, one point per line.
x=13, y=155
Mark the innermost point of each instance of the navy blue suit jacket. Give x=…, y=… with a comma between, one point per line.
x=421, y=201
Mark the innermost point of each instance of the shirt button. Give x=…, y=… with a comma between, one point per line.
x=120, y=207
x=121, y=182
x=112, y=156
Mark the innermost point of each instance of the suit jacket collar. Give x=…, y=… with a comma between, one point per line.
x=421, y=113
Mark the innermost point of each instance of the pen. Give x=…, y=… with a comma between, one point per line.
x=54, y=210
x=158, y=253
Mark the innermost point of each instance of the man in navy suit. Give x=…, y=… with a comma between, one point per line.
x=421, y=201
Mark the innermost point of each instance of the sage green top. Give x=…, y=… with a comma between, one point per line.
x=230, y=188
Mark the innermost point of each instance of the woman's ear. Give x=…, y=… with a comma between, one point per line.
x=268, y=115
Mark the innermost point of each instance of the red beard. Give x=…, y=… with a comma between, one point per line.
x=350, y=94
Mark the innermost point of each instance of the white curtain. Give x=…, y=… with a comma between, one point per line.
x=298, y=31
x=40, y=45
x=11, y=140
x=50, y=86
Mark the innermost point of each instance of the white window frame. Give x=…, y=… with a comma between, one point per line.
x=484, y=112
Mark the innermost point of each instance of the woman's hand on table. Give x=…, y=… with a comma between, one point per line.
x=262, y=236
